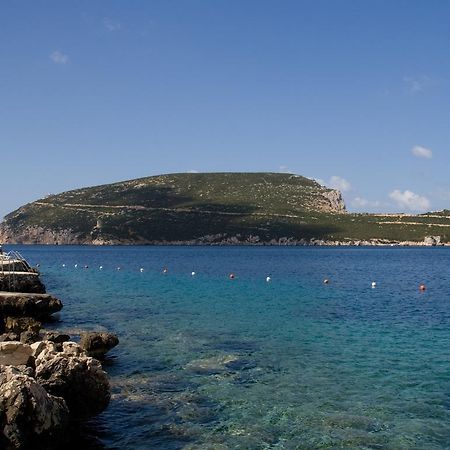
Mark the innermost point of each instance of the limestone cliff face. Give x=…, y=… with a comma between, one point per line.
x=38, y=235
x=337, y=204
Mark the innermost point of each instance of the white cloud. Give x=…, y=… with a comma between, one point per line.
x=59, y=58
x=409, y=200
x=111, y=25
x=285, y=169
x=192, y=171
x=339, y=183
x=318, y=180
x=422, y=152
x=417, y=85
x=335, y=182
x=361, y=202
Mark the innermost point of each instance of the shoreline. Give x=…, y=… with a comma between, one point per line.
x=284, y=242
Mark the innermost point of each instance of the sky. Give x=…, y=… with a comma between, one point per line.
x=353, y=93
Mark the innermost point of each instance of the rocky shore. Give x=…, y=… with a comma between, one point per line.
x=47, y=381
x=39, y=235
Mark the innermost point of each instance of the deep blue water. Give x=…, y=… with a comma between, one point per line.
x=206, y=362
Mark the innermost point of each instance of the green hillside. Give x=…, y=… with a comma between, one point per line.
x=209, y=208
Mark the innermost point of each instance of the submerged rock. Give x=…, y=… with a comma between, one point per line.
x=29, y=416
x=70, y=374
x=214, y=365
x=98, y=344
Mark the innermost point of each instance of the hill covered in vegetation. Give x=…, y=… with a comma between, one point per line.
x=209, y=208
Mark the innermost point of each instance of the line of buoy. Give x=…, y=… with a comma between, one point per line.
x=232, y=276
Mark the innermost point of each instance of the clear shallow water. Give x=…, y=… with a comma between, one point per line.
x=211, y=363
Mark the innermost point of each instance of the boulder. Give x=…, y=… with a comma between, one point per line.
x=53, y=336
x=29, y=416
x=72, y=375
x=98, y=344
x=21, y=324
x=7, y=337
x=29, y=337
x=432, y=241
x=37, y=306
x=15, y=354
x=41, y=346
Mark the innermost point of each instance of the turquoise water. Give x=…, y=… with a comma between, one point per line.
x=206, y=362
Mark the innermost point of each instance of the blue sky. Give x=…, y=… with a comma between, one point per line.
x=354, y=93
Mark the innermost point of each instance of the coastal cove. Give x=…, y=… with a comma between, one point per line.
x=209, y=362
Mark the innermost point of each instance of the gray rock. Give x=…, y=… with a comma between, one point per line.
x=21, y=324
x=15, y=354
x=72, y=349
x=55, y=337
x=432, y=241
x=98, y=344
x=38, y=306
x=7, y=337
x=80, y=380
x=29, y=337
x=40, y=346
x=28, y=282
x=29, y=416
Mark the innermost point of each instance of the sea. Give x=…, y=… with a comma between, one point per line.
x=209, y=361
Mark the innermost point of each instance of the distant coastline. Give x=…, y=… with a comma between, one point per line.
x=221, y=240
x=231, y=208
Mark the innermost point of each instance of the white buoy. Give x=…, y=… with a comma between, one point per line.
x=76, y=265
x=141, y=269
x=268, y=279
x=118, y=268
x=64, y=265
x=374, y=284
x=193, y=274
x=101, y=267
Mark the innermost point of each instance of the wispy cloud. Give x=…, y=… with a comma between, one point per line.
x=339, y=183
x=111, y=25
x=335, y=182
x=409, y=200
x=59, y=58
x=422, y=152
x=415, y=85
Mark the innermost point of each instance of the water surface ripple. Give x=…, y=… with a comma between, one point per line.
x=206, y=362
